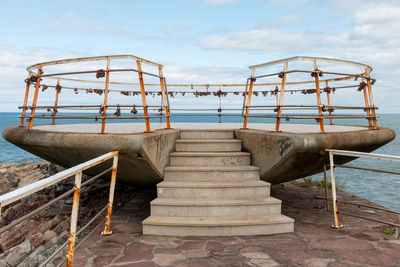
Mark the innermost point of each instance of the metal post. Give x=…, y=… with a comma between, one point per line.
x=164, y=97
x=35, y=97
x=329, y=101
x=103, y=117
x=335, y=208
x=74, y=219
x=326, y=189
x=56, y=101
x=321, y=117
x=281, y=94
x=143, y=93
x=220, y=109
x=28, y=84
x=249, y=99
x=367, y=104
x=371, y=100
x=111, y=196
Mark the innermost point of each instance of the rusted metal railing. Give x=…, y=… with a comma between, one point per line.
x=36, y=78
x=316, y=74
x=32, y=188
x=317, y=80
x=335, y=200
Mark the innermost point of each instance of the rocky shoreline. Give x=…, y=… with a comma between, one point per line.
x=33, y=240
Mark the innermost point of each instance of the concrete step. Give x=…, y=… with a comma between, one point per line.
x=213, y=190
x=210, y=145
x=215, y=207
x=217, y=226
x=209, y=159
x=212, y=173
x=206, y=134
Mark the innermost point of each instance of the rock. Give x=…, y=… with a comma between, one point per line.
x=58, y=209
x=5, y=185
x=62, y=226
x=18, y=253
x=3, y=263
x=49, y=234
x=36, y=240
x=10, y=239
x=18, y=234
x=34, y=259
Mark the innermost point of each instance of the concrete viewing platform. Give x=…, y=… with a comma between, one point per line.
x=294, y=152
x=125, y=128
x=313, y=243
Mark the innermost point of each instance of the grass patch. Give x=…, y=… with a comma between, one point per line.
x=385, y=230
x=310, y=183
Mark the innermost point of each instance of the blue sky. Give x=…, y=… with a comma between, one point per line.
x=193, y=37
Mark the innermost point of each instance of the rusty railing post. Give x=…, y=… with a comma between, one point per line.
x=58, y=89
x=250, y=92
x=143, y=93
x=366, y=103
x=74, y=219
x=35, y=97
x=281, y=95
x=321, y=116
x=329, y=102
x=164, y=97
x=371, y=99
x=104, y=107
x=111, y=195
x=28, y=85
x=326, y=189
x=334, y=201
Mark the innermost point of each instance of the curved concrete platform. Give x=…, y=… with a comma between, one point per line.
x=293, y=153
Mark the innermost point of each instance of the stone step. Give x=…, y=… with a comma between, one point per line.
x=215, y=207
x=206, y=134
x=212, y=173
x=217, y=226
x=213, y=190
x=209, y=159
x=208, y=145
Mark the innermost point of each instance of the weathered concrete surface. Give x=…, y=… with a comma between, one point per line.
x=314, y=242
x=143, y=156
x=283, y=156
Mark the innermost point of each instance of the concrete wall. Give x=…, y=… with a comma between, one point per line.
x=143, y=156
x=283, y=157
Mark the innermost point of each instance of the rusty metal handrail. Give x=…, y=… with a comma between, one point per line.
x=306, y=58
x=365, y=86
x=35, y=75
x=77, y=170
x=335, y=201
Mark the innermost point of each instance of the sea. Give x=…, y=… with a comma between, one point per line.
x=381, y=188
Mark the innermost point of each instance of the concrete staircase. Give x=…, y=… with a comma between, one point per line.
x=210, y=189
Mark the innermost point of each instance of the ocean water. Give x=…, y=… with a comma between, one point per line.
x=381, y=188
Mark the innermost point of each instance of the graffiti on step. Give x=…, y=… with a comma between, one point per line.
x=162, y=146
x=280, y=145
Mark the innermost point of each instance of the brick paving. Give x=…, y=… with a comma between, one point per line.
x=314, y=242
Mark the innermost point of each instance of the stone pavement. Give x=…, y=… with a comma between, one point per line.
x=314, y=242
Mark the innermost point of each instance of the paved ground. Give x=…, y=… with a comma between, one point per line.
x=313, y=243
x=140, y=127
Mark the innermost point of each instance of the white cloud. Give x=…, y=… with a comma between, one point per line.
x=220, y=2
x=373, y=38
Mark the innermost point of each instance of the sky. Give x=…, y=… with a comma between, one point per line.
x=202, y=41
